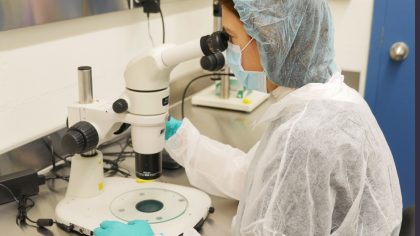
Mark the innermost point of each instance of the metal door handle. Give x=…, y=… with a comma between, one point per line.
x=399, y=51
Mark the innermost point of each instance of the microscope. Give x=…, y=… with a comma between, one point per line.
x=91, y=198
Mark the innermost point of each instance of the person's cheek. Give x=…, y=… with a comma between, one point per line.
x=235, y=40
x=251, y=58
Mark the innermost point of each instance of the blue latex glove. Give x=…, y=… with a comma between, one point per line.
x=171, y=127
x=132, y=228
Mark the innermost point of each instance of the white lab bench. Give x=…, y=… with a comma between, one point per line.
x=234, y=128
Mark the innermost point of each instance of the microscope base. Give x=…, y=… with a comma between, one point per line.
x=208, y=98
x=170, y=209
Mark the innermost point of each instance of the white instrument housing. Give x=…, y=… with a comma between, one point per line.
x=86, y=214
x=145, y=107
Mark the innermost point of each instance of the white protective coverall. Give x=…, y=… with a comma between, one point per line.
x=323, y=167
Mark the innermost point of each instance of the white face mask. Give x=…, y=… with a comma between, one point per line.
x=255, y=80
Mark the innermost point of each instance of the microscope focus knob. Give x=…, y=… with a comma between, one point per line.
x=120, y=106
x=80, y=138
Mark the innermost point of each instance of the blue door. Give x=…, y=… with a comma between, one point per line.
x=390, y=84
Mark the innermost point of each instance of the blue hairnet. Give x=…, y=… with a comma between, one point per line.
x=294, y=37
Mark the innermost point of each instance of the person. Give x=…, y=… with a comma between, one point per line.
x=323, y=166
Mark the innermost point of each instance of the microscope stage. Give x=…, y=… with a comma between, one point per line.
x=170, y=209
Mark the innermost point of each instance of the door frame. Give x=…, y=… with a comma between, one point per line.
x=375, y=51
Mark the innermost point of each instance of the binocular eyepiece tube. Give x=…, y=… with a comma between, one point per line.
x=215, y=43
x=207, y=45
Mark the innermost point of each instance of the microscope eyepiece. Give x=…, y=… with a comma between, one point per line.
x=214, y=43
x=213, y=62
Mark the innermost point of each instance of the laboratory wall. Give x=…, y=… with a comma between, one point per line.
x=353, y=24
x=38, y=64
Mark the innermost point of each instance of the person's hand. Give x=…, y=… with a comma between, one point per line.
x=116, y=228
x=171, y=127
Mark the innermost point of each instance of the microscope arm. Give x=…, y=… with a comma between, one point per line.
x=144, y=105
